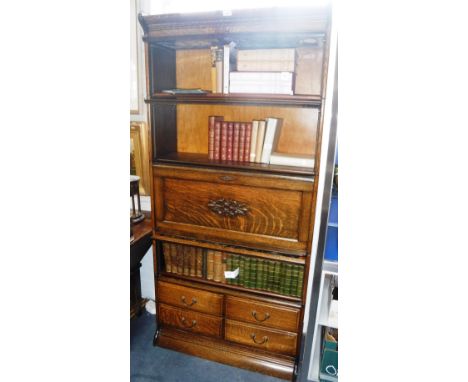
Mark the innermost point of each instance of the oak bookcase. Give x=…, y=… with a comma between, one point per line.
x=247, y=323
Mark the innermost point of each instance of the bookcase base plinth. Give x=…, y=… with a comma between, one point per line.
x=227, y=353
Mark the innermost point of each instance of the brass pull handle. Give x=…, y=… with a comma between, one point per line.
x=194, y=322
x=183, y=299
x=267, y=316
x=226, y=178
x=228, y=207
x=264, y=339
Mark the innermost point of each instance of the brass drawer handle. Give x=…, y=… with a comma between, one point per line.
x=183, y=299
x=194, y=322
x=267, y=316
x=228, y=207
x=264, y=339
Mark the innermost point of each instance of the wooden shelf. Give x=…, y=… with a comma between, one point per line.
x=202, y=160
x=239, y=99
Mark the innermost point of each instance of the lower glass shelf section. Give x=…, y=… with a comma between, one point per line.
x=227, y=268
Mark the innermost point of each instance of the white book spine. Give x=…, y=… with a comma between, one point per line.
x=253, y=141
x=269, y=137
x=226, y=78
x=285, y=160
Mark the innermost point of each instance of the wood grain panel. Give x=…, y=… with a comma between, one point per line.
x=298, y=134
x=195, y=299
x=270, y=212
x=193, y=69
x=277, y=341
x=191, y=321
x=263, y=314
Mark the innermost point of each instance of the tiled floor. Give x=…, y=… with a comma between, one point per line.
x=149, y=363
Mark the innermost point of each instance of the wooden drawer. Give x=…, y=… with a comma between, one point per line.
x=264, y=314
x=194, y=299
x=259, y=210
x=191, y=321
x=273, y=340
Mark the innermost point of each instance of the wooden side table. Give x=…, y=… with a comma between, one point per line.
x=138, y=248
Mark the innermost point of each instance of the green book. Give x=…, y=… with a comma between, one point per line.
x=228, y=259
x=276, y=279
x=259, y=279
x=264, y=280
x=241, y=270
x=235, y=265
x=300, y=281
x=287, y=282
x=294, y=278
x=253, y=273
x=282, y=280
x=270, y=275
x=247, y=272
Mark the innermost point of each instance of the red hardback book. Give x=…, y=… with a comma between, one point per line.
x=217, y=140
x=248, y=135
x=212, y=119
x=241, y=141
x=224, y=133
x=235, y=142
x=230, y=134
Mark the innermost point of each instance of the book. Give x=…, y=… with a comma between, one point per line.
x=219, y=70
x=247, y=269
x=204, y=264
x=272, y=133
x=235, y=141
x=217, y=141
x=180, y=259
x=241, y=270
x=253, y=141
x=223, y=145
x=212, y=119
x=199, y=262
x=248, y=137
x=263, y=281
x=173, y=249
x=186, y=260
x=292, y=160
x=224, y=267
x=213, y=68
x=230, y=134
x=229, y=267
x=209, y=264
x=241, y=142
x=260, y=140
x=268, y=60
x=235, y=265
x=276, y=277
x=167, y=256
x=217, y=266
x=229, y=54
x=270, y=275
x=253, y=273
x=308, y=81
x=300, y=280
x=287, y=287
x=294, y=279
x=193, y=261
x=259, y=274
x=184, y=91
x=282, y=278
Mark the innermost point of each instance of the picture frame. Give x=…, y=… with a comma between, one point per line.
x=139, y=155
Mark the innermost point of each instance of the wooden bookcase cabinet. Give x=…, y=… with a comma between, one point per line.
x=253, y=329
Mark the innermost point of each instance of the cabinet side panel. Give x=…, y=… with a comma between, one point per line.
x=164, y=129
x=163, y=69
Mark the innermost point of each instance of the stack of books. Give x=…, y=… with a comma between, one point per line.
x=253, y=273
x=253, y=141
x=268, y=71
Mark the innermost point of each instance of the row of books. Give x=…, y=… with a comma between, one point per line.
x=254, y=141
x=273, y=276
x=251, y=272
x=258, y=70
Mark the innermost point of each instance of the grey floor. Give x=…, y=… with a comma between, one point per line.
x=148, y=363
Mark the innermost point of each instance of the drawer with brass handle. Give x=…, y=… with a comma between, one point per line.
x=189, y=320
x=194, y=299
x=273, y=340
x=262, y=211
x=261, y=313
